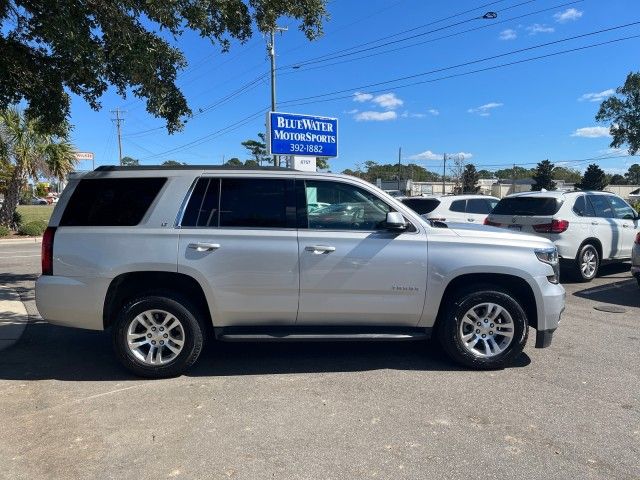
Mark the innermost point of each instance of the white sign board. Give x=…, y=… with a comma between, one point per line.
x=304, y=164
x=83, y=155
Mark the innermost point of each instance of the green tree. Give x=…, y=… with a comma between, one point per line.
x=129, y=162
x=617, y=179
x=49, y=49
x=322, y=163
x=520, y=172
x=485, y=174
x=569, y=175
x=41, y=190
x=633, y=175
x=594, y=178
x=257, y=148
x=470, y=179
x=234, y=162
x=30, y=154
x=622, y=112
x=172, y=163
x=251, y=163
x=543, y=176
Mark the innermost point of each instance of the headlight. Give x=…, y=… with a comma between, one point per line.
x=550, y=257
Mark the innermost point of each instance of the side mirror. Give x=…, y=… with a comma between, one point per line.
x=395, y=221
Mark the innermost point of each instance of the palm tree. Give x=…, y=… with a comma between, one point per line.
x=27, y=153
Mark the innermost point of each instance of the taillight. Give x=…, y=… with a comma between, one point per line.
x=556, y=226
x=47, y=251
x=490, y=223
x=637, y=242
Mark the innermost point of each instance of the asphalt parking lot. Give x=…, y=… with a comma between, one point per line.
x=327, y=411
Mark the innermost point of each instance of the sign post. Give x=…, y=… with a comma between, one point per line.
x=300, y=135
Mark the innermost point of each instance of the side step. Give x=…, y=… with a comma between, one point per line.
x=320, y=334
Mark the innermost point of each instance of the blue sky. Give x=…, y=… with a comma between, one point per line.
x=522, y=113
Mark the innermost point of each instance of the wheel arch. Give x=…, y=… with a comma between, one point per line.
x=128, y=285
x=516, y=286
x=595, y=242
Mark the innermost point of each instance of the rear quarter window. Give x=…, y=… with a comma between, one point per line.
x=113, y=202
x=421, y=205
x=527, y=206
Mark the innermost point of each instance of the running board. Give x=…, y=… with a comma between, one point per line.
x=319, y=334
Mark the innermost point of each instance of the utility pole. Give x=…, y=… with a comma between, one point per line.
x=118, y=121
x=399, y=165
x=513, y=179
x=444, y=170
x=271, y=48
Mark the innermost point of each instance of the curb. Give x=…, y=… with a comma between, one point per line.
x=13, y=317
x=20, y=241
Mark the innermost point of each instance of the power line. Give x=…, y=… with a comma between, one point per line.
x=343, y=51
x=314, y=98
x=432, y=40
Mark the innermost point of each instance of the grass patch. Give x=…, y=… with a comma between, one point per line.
x=33, y=213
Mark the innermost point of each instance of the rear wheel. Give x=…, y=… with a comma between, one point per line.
x=587, y=263
x=484, y=329
x=157, y=337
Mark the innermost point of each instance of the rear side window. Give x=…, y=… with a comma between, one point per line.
x=583, y=208
x=241, y=202
x=458, y=206
x=479, y=205
x=527, y=206
x=421, y=205
x=113, y=202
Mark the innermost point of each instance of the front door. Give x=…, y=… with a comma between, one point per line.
x=627, y=225
x=352, y=270
x=238, y=239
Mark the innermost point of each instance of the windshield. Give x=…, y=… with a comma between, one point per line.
x=527, y=206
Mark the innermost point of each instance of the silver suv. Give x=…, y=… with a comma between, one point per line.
x=166, y=257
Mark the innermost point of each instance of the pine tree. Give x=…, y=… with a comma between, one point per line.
x=470, y=179
x=593, y=179
x=543, y=176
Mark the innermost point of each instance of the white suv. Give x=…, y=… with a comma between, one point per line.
x=587, y=227
x=453, y=208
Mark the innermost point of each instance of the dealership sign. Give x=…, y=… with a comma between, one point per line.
x=83, y=155
x=302, y=135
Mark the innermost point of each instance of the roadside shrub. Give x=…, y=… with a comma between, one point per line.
x=33, y=229
x=636, y=206
x=17, y=220
x=4, y=231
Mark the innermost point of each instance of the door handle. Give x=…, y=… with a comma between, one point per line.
x=320, y=249
x=595, y=223
x=204, y=247
x=469, y=219
x=624, y=225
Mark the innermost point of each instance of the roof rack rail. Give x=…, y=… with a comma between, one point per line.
x=118, y=168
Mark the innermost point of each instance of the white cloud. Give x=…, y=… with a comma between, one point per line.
x=597, y=96
x=568, y=15
x=508, y=34
x=426, y=155
x=429, y=155
x=591, y=132
x=351, y=112
x=362, y=97
x=539, y=28
x=433, y=111
x=388, y=100
x=407, y=114
x=484, y=110
x=370, y=116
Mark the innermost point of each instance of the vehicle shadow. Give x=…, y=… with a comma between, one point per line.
x=624, y=293
x=50, y=352
x=619, y=270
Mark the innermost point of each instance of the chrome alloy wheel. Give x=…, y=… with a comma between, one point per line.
x=486, y=330
x=155, y=337
x=589, y=263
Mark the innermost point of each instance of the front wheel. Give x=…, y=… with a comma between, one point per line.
x=484, y=329
x=157, y=337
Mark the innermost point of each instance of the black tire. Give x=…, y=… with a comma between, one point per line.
x=449, y=328
x=585, y=274
x=193, y=339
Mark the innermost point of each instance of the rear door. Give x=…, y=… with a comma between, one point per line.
x=238, y=238
x=605, y=227
x=625, y=218
x=457, y=211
